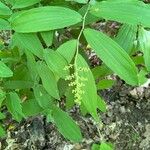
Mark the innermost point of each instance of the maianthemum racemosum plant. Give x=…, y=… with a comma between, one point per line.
x=46, y=61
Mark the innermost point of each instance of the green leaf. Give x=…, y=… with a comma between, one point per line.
x=31, y=64
x=4, y=25
x=24, y=3
x=142, y=76
x=68, y=49
x=83, y=110
x=45, y=19
x=56, y=63
x=144, y=43
x=95, y=147
x=138, y=60
x=62, y=86
x=2, y=132
x=105, y=146
x=2, y=96
x=18, y=84
x=10, y=2
x=43, y=98
x=66, y=125
x=89, y=98
x=5, y=54
x=5, y=71
x=21, y=73
x=31, y=108
x=23, y=40
x=49, y=117
x=130, y=12
x=48, y=79
x=101, y=104
x=105, y=84
x=2, y=116
x=1, y=46
x=69, y=98
x=126, y=37
x=4, y=10
x=13, y=103
x=48, y=37
x=112, y=55
x=101, y=71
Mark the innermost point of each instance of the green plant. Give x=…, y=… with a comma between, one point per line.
x=102, y=146
x=39, y=67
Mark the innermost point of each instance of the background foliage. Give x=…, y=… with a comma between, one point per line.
x=39, y=68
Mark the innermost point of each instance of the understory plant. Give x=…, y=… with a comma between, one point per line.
x=46, y=64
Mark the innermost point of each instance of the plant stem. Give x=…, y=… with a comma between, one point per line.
x=79, y=36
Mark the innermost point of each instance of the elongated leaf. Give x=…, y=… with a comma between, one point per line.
x=5, y=71
x=105, y=146
x=4, y=25
x=89, y=98
x=10, y=2
x=83, y=110
x=138, y=60
x=2, y=116
x=31, y=64
x=24, y=3
x=45, y=19
x=69, y=98
x=101, y=71
x=29, y=42
x=18, y=84
x=48, y=37
x=66, y=125
x=101, y=104
x=95, y=147
x=124, y=11
x=126, y=37
x=142, y=76
x=112, y=55
x=1, y=46
x=43, y=98
x=48, y=79
x=105, y=84
x=21, y=73
x=56, y=63
x=2, y=132
x=62, y=86
x=4, y=10
x=144, y=41
x=48, y=114
x=2, y=96
x=31, y=108
x=68, y=49
x=13, y=104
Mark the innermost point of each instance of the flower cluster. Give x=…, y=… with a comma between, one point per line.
x=77, y=82
x=68, y=67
